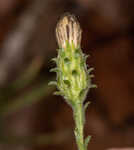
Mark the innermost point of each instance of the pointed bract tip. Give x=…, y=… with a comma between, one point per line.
x=68, y=31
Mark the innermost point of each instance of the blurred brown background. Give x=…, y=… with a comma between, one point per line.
x=31, y=117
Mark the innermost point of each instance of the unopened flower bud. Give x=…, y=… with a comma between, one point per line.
x=73, y=78
x=68, y=31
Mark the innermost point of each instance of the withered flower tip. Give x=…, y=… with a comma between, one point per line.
x=68, y=30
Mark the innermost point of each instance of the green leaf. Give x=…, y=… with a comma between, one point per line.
x=93, y=86
x=86, y=105
x=84, y=110
x=76, y=133
x=90, y=70
x=87, y=140
x=52, y=83
x=91, y=76
x=54, y=59
x=86, y=56
x=54, y=70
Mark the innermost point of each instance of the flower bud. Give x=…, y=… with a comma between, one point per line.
x=68, y=30
x=73, y=78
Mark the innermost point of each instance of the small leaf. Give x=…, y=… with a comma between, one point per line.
x=87, y=140
x=86, y=105
x=86, y=56
x=90, y=70
x=84, y=110
x=52, y=83
x=91, y=76
x=54, y=70
x=76, y=133
x=54, y=59
x=93, y=86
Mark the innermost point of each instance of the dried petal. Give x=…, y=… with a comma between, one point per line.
x=68, y=30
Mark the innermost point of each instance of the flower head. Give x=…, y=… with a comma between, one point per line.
x=68, y=30
x=73, y=78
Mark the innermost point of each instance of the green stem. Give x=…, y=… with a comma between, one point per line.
x=79, y=125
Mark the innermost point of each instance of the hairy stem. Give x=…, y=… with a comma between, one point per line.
x=79, y=125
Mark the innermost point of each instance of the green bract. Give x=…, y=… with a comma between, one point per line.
x=73, y=79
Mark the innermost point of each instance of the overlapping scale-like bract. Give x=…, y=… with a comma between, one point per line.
x=73, y=78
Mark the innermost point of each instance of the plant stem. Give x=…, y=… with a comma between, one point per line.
x=73, y=76
x=79, y=125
